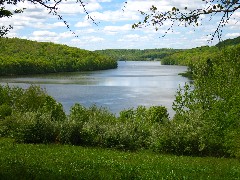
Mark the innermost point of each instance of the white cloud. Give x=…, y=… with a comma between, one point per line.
x=83, y=24
x=67, y=34
x=73, y=7
x=135, y=5
x=44, y=33
x=134, y=38
x=114, y=16
x=117, y=29
x=236, y=15
x=45, y=39
x=93, y=39
x=232, y=35
x=86, y=41
x=85, y=31
x=42, y=25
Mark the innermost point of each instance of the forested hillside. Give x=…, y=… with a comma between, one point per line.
x=137, y=54
x=169, y=56
x=229, y=42
x=191, y=56
x=19, y=56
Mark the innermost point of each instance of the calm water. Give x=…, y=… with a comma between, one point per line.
x=131, y=85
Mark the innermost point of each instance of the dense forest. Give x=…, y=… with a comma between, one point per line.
x=229, y=42
x=169, y=56
x=190, y=56
x=137, y=54
x=19, y=56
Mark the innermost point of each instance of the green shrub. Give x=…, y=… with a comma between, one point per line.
x=79, y=113
x=5, y=110
x=86, y=125
x=31, y=127
x=188, y=135
x=31, y=99
x=153, y=114
x=54, y=108
x=232, y=142
x=158, y=114
x=70, y=133
x=129, y=135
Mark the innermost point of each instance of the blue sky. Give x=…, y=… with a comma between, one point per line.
x=114, y=25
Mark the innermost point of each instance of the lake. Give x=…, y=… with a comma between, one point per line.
x=132, y=84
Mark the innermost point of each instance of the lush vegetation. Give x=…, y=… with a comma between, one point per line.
x=228, y=42
x=27, y=161
x=209, y=111
x=31, y=116
x=18, y=56
x=206, y=123
x=137, y=54
x=191, y=56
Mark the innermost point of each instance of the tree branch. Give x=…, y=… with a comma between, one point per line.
x=157, y=19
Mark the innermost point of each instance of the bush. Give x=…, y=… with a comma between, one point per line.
x=158, y=114
x=54, y=108
x=151, y=115
x=5, y=110
x=95, y=126
x=86, y=125
x=129, y=135
x=208, y=112
x=31, y=127
x=30, y=99
x=232, y=142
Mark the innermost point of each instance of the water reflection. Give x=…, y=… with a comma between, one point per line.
x=132, y=84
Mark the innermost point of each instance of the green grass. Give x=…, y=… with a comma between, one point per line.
x=27, y=161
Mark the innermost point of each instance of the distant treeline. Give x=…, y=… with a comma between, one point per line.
x=137, y=54
x=19, y=56
x=190, y=56
x=169, y=56
x=229, y=42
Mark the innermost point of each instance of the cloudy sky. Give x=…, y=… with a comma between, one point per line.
x=114, y=19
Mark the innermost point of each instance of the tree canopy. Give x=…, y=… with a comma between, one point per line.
x=19, y=56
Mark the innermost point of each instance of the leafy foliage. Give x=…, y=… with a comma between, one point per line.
x=137, y=54
x=228, y=42
x=212, y=106
x=206, y=121
x=18, y=56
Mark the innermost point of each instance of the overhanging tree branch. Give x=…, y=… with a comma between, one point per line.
x=188, y=17
x=50, y=5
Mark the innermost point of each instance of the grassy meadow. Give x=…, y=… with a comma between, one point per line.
x=29, y=161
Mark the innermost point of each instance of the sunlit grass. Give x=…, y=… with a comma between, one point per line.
x=27, y=161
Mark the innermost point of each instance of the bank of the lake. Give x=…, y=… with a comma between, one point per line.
x=132, y=84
